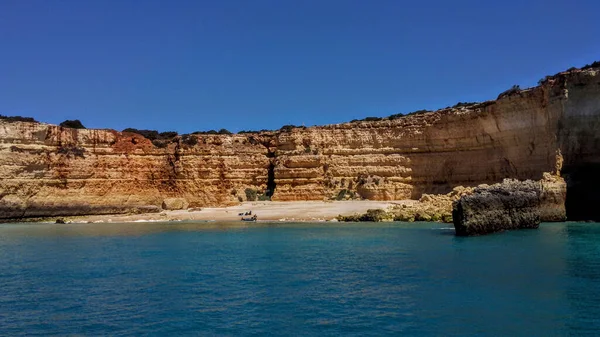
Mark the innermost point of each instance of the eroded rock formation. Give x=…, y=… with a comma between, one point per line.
x=51, y=170
x=511, y=204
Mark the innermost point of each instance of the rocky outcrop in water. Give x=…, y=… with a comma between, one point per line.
x=48, y=170
x=511, y=204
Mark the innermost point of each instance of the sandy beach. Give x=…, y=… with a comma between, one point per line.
x=264, y=210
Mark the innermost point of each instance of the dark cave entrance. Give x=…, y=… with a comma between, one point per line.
x=583, y=192
x=270, y=180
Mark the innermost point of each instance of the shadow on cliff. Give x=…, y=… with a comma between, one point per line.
x=583, y=192
x=270, y=180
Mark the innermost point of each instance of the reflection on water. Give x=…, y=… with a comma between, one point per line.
x=287, y=279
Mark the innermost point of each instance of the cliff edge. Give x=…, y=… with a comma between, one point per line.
x=49, y=170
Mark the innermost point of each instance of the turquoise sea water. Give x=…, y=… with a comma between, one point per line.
x=297, y=279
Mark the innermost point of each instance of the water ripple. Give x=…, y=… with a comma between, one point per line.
x=291, y=279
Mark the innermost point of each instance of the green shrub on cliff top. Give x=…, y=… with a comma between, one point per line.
x=288, y=128
x=160, y=143
x=253, y=131
x=149, y=134
x=463, y=104
x=189, y=140
x=213, y=132
x=513, y=90
x=209, y=132
x=400, y=115
x=73, y=124
x=595, y=64
x=153, y=134
x=17, y=119
x=167, y=135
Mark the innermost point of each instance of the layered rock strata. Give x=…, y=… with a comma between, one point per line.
x=47, y=170
x=554, y=127
x=426, y=153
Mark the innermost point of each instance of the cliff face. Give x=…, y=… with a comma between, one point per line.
x=552, y=128
x=50, y=170
x=427, y=153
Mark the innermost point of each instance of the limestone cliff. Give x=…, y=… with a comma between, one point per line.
x=551, y=128
x=51, y=170
x=48, y=170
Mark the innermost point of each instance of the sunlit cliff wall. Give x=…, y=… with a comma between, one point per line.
x=426, y=153
x=50, y=170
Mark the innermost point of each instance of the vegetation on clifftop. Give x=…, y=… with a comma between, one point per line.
x=73, y=124
x=162, y=138
x=17, y=119
x=289, y=128
x=595, y=64
x=159, y=139
x=189, y=140
x=513, y=90
x=213, y=132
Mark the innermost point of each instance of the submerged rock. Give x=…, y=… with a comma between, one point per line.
x=511, y=204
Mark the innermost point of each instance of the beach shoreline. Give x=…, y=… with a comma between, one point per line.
x=290, y=211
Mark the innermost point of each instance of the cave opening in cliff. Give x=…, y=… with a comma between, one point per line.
x=583, y=199
x=270, y=180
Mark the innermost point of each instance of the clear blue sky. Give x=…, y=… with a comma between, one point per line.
x=253, y=64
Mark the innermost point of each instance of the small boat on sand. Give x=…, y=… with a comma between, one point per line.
x=252, y=218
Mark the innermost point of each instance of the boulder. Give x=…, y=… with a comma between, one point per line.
x=511, y=204
x=373, y=215
x=174, y=204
